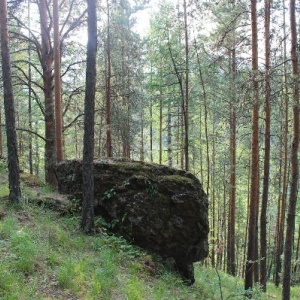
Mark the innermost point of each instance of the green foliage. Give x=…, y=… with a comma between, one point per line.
x=110, y=193
x=151, y=190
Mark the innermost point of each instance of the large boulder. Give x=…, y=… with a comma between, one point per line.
x=160, y=209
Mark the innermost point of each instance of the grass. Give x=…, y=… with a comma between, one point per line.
x=44, y=256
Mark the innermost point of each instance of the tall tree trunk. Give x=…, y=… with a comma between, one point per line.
x=47, y=61
x=87, y=220
x=108, y=89
x=282, y=206
x=231, y=263
x=9, y=107
x=57, y=86
x=290, y=226
x=265, y=193
x=254, y=189
x=247, y=220
x=160, y=123
x=151, y=118
x=142, y=150
x=30, y=146
x=205, y=121
x=186, y=104
x=213, y=200
x=169, y=135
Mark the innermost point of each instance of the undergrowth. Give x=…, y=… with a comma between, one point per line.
x=44, y=256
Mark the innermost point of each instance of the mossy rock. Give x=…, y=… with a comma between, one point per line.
x=161, y=209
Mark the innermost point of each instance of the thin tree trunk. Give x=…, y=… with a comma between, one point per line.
x=205, y=121
x=281, y=212
x=30, y=146
x=108, y=89
x=142, y=151
x=87, y=220
x=290, y=227
x=265, y=193
x=57, y=84
x=9, y=107
x=213, y=201
x=254, y=188
x=231, y=263
x=151, y=120
x=186, y=106
x=160, y=124
x=247, y=221
x=169, y=136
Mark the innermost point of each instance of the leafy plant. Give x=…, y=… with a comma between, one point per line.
x=126, y=182
x=110, y=193
x=150, y=187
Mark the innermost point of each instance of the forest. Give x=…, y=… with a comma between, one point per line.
x=210, y=87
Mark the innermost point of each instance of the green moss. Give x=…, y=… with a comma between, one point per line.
x=133, y=166
x=178, y=179
x=31, y=180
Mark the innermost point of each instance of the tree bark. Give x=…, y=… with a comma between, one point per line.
x=254, y=188
x=169, y=136
x=57, y=86
x=108, y=88
x=290, y=226
x=87, y=220
x=186, y=105
x=282, y=199
x=265, y=193
x=47, y=65
x=30, y=146
x=9, y=107
x=231, y=264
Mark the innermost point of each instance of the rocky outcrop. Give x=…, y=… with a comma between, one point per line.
x=158, y=208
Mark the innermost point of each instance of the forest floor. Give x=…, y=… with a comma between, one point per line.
x=43, y=255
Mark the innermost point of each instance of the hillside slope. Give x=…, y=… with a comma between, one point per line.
x=44, y=256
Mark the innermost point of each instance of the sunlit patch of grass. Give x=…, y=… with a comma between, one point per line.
x=135, y=289
x=4, y=191
x=10, y=282
x=46, y=189
x=66, y=275
x=25, y=252
x=8, y=227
